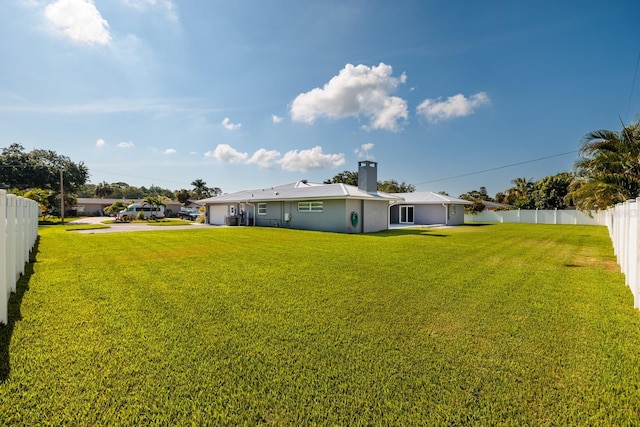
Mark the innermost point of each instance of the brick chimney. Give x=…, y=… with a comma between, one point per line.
x=368, y=176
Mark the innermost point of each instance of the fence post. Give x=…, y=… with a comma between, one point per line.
x=635, y=286
x=20, y=259
x=11, y=242
x=4, y=284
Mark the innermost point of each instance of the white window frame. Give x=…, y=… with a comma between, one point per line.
x=262, y=208
x=406, y=209
x=317, y=206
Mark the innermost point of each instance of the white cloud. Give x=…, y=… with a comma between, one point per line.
x=100, y=143
x=313, y=158
x=264, y=158
x=125, y=144
x=226, y=153
x=363, y=151
x=276, y=119
x=80, y=20
x=294, y=160
x=170, y=151
x=356, y=91
x=230, y=126
x=458, y=105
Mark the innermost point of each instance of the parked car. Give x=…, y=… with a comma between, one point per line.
x=190, y=214
x=134, y=209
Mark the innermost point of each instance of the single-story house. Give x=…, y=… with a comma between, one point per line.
x=308, y=206
x=95, y=207
x=427, y=208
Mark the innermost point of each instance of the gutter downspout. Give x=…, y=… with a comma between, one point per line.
x=446, y=214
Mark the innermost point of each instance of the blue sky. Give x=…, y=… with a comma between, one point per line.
x=248, y=94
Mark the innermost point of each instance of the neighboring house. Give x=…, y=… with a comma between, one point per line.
x=302, y=205
x=427, y=208
x=492, y=206
x=95, y=207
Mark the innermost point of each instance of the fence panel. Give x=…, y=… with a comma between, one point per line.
x=535, y=216
x=18, y=234
x=623, y=222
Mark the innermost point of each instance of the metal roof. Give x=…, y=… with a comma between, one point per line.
x=299, y=190
x=430, y=198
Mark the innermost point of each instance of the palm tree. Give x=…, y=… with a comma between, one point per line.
x=200, y=189
x=103, y=190
x=154, y=202
x=608, y=171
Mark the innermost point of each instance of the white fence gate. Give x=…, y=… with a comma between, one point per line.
x=624, y=229
x=18, y=234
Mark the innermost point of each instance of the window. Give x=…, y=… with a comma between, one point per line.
x=406, y=214
x=262, y=208
x=310, y=206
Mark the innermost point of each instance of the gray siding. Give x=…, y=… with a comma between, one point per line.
x=431, y=214
x=335, y=216
x=353, y=206
x=457, y=217
x=375, y=216
x=274, y=216
x=332, y=217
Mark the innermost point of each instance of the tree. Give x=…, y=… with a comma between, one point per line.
x=476, y=194
x=154, y=202
x=390, y=186
x=182, y=195
x=476, y=197
x=45, y=198
x=200, y=188
x=550, y=192
x=103, y=190
x=114, y=208
x=608, y=171
x=520, y=194
x=345, y=177
x=393, y=186
x=40, y=169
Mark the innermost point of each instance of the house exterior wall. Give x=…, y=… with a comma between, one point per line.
x=91, y=207
x=430, y=214
x=335, y=215
x=375, y=215
x=353, y=206
x=332, y=217
x=456, y=217
x=274, y=216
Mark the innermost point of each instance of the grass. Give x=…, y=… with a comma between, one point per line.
x=504, y=324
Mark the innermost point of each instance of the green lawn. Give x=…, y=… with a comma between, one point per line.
x=475, y=325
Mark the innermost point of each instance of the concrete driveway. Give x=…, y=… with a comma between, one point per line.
x=123, y=227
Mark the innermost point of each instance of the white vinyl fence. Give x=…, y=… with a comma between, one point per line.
x=535, y=216
x=622, y=222
x=18, y=234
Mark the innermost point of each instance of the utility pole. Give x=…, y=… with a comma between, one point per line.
x=61, y=197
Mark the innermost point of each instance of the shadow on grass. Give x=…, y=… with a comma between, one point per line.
x=15, y=301
x=408, y=232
